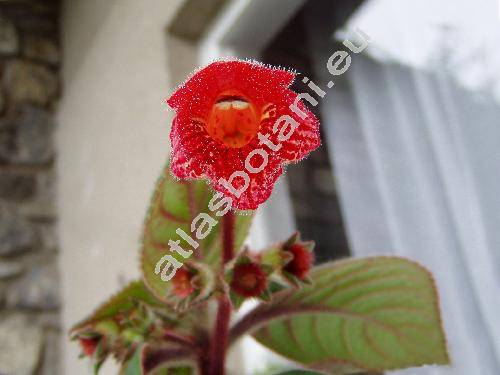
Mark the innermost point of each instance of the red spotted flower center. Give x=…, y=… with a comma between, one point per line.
x=233, y=120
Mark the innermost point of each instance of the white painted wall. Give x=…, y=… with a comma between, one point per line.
x=112, y=143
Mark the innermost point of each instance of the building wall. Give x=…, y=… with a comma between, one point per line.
x=112, y=143
x=29, y=290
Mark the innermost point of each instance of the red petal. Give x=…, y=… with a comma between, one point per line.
x=305, y=138
x=193, y=151
x=260, y=186
x=255, y=80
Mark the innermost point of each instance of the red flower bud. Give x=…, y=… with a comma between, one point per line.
x=302, y=261
x=89, y=345
x=249, y=280
x=182, y=283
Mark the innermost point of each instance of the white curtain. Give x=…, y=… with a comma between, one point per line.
x=417, y=163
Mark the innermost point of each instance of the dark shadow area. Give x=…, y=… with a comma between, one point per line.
x=311, y=182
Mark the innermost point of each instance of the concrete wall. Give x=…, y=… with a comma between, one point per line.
x=112, y=142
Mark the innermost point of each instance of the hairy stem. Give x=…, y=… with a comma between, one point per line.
x=227, y=237
x=220, y=334
x=220, y=337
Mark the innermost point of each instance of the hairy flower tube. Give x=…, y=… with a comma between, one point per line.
x=237, y=124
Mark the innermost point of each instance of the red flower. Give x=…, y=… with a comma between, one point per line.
x=236, y=116
x=89, y=345
x=249, y=280
x=182, y=283
x=302, y=261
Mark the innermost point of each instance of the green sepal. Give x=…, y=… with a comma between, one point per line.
x=236, y=300
x=265, y=296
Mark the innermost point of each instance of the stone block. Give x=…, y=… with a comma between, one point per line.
x=43, y=206
x=27, y=82
x=27, y=137
x=17, y=185
x=21, y=345
x=10, y=269
x=16, y=234
x=41, y=49
x=9, y=40
x=36, y=290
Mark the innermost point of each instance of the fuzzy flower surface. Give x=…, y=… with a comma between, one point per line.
x=230, y=109
x=182, y=282
x=302, y=261
x=249, y=280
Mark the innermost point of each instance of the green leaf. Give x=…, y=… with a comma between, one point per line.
x=174, y=205
x=162, y=360
x=133, y=366
x=370, y=314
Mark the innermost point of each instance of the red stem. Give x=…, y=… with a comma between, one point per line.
x=177, y=338
x=220, y=337
x=220, y=334
x=228, y=237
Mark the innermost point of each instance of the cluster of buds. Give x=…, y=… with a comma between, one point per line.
x=249, y=275
x=258, y=275
x=96, y=341
x=119, y=335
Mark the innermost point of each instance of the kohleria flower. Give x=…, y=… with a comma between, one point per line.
x=237, y=124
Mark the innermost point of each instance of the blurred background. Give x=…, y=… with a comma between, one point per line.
x=410, y=163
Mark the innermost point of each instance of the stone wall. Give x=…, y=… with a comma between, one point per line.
x=29, y=296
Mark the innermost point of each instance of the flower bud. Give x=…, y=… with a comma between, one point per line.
x=182, y=282
x=248, y=280
x=302, y=261
x=89, y=345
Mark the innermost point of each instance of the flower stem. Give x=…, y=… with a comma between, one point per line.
x=220, y=334
x=227, y=237
x=220, y=337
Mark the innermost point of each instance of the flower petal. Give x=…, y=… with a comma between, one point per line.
x=260, y=184
x=193, y=151
x=255, y=80
x=304, y=140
